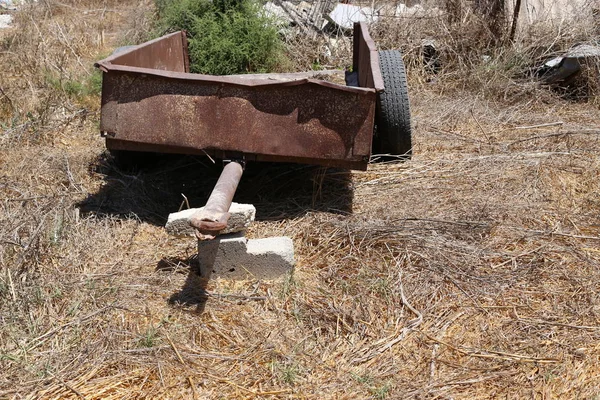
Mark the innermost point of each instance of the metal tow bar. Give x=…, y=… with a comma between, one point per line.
x=213, y=218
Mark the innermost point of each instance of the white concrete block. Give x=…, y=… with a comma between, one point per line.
x=234, y=256
x=241, y=217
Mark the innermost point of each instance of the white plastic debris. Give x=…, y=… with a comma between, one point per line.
x=5, y=21
x=345, y=15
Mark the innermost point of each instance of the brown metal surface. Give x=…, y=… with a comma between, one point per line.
x=167, y=53
x=215, y=214
x=366, y=59
x=156, y=106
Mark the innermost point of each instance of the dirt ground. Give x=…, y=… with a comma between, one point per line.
x=470, y=271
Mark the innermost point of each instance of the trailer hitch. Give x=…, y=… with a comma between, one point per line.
x=231, y=255
x=212, y=219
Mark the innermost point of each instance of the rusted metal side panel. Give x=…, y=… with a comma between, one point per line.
x=306, y=120
x=366, y=59
x=168, y=53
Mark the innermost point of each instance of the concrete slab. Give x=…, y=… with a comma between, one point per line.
x=234, y=256
x=242, y=215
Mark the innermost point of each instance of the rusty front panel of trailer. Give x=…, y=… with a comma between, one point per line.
x=305, y=121
x=167, y=53
x=366, y=59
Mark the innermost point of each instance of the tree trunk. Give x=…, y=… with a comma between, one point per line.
x=515, y=20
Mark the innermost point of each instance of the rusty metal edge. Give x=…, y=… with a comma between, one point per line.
x=289, y=76
x=355, y=46
x=116, y=144
x=186, y=57
x=374, y=57
x=227, y=79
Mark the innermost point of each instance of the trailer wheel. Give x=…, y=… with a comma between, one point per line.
x=392, y=118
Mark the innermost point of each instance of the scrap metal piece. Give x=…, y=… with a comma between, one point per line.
x=214, y=216
x=563, y=68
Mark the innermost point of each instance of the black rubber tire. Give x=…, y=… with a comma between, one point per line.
x=392, y=119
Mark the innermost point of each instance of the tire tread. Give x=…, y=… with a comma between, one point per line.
x=393, y=108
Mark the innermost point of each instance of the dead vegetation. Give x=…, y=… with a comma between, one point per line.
x=470, y=271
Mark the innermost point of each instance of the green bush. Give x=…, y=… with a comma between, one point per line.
x=225, y=36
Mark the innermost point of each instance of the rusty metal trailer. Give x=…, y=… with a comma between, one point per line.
x=152, y=103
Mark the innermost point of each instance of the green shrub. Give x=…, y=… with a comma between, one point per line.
x=225, y=36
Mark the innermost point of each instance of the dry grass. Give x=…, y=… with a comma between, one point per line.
x=470, y=271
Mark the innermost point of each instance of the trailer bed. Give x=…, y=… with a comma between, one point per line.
x=151, y=102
